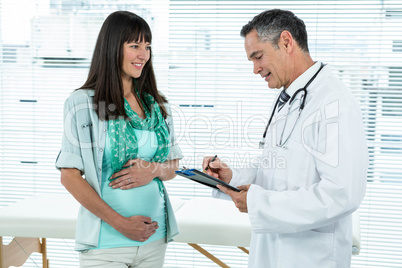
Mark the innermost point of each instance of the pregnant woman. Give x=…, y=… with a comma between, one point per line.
x=118, y=146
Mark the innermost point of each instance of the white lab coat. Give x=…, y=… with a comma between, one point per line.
x=301, y=198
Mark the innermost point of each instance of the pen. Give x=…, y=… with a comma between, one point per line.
x=212, y=160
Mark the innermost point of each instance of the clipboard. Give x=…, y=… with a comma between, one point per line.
x=203, y=178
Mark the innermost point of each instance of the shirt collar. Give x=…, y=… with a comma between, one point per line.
x=302, y=80
x=91, y=93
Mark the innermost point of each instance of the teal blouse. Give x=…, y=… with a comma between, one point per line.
x=147, y=200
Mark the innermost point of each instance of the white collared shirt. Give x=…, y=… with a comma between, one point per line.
x=303, y=79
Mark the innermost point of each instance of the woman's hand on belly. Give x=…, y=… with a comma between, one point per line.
x=136, y=173
x=138, y=228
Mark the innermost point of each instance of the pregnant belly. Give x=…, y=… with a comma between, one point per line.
x=145, y=200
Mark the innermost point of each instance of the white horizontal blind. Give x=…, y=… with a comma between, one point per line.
x=45, y=56
x=45, y=51
x=219, y=105
x=211, y=80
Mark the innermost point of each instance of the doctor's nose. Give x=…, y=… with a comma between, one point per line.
x=257, y=69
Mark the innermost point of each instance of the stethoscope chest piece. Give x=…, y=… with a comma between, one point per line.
x=261, y=144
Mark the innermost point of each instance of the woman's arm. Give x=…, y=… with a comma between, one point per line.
x=139, y=172
x=138, y=228
x=166, y=171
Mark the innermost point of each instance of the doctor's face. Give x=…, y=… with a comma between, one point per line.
x=268, y=61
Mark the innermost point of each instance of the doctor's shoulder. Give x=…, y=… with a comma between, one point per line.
x=330, y=90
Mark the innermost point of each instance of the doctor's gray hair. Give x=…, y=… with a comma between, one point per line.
x=271, y=23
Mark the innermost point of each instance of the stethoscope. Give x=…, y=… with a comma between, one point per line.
x=282, y=142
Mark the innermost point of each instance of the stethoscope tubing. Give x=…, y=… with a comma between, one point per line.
x=301, y=107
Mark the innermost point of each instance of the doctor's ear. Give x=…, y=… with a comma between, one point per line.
x=286, y=40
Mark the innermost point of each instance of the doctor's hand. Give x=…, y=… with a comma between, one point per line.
x=239, y=198
x=135, y=173
x=217, y=169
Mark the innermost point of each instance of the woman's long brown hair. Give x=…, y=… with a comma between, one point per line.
x=106, y=66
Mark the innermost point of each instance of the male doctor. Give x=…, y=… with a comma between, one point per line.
x=300, y=211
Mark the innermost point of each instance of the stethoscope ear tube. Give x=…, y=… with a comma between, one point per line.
x=303, y=102
x=303, y=97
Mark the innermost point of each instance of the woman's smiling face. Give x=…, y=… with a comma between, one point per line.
x=135, y=56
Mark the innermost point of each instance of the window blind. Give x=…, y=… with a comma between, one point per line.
x=219, y=105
